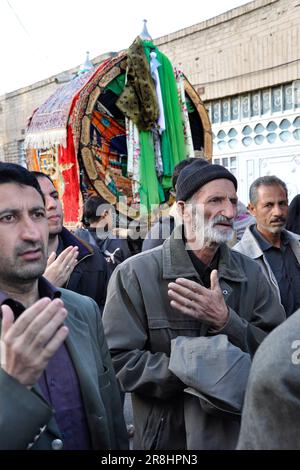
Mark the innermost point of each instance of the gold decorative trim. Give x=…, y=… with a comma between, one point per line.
x=198, y=103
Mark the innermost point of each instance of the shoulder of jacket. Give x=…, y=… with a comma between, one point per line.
x=293, y=235
x=75, y=299
x=246, y=260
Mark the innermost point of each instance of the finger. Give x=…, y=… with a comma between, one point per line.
x=185, y=304
x=214, y=281
x=54, y=344
x=192, y=285
x=179, y=292
x=71, y=258
x=192, y=291
x=178, y=297
x=183, y=308
x=65, y=253
x=47, y=331
x=7, y=319
x=51, y=258
x=26, y=318
x=45, y=319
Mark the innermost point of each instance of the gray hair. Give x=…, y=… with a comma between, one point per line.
x=269, y=180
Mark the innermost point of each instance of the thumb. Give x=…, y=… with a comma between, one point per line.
x=51, y=258
x=214, y=281
x=7, y=319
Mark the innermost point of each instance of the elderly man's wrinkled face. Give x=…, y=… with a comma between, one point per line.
x=213, y=212
x=270, y=209
x=23, y=234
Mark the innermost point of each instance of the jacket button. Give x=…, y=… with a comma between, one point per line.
x=57, y=444
x=225, y=291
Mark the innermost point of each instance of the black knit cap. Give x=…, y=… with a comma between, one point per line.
x=196, y=175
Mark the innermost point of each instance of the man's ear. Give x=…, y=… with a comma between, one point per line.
x=252, y=209
x=184, y=212
x=180, y=208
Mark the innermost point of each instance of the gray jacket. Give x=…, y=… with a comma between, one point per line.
x=216, y=372
x=139, y=325
x=271, y=416
x=249, y=246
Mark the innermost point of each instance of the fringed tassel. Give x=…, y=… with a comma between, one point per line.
x=45, y=140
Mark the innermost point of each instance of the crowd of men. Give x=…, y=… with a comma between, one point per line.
x=175, y=326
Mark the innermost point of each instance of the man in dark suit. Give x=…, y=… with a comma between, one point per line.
x=57, y=386
x=72, y=263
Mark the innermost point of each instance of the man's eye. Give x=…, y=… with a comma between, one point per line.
x=39, y=215
x=7, y=218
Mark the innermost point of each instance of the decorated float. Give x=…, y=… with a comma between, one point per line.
x=118, y=130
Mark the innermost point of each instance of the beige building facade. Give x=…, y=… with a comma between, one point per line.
x=245, y=65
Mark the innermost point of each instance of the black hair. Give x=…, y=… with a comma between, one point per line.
x=91, y=206
x=13, y=173
x=39, y=174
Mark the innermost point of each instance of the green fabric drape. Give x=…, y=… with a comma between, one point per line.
x=172, y=145
x=117, y=84
x=151, y=192
x=172, y=139
x=190, y=105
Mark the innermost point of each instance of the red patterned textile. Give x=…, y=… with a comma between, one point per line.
x=70, y=190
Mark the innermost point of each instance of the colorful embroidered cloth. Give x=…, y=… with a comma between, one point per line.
x=48, y=124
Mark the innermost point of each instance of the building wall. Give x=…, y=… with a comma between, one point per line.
x=249, y=47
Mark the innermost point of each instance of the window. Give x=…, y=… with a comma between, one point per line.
x=234, y=108
x=276, y=100
x=257, y=103
x=287, y=96
x=228, y=162
x=245, y=106
x=215, y=112
x=225, y=110
x=266, y=101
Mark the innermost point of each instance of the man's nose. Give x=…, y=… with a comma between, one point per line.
x=277, y=210
x=29, y=230
x=229, y=209
x=50, y=203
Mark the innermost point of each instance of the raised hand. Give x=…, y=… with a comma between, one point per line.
x=58, y=270
x=195, y=300
x=28, y=343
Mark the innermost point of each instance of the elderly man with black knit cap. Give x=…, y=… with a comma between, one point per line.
x=193, y=313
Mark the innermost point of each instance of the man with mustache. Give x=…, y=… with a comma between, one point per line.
x=276, y=249
x=57, y=385
x=192, y=313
